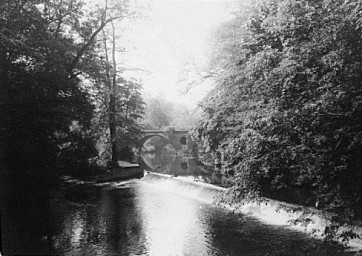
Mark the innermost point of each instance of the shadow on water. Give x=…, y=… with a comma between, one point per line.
x=152, y=216
x=107, y=226
x=141, y=218
x=25, y=209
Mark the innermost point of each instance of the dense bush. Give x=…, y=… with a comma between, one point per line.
x=53, y=93
x=286, y=112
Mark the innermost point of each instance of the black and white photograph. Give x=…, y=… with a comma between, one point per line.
x=181, y=127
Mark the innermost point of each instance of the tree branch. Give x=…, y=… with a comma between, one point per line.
x=86, y=46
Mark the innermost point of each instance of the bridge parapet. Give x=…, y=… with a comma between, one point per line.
x=153, y=131
x=164, y=132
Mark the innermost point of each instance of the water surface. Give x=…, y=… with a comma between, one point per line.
x=144, y=218
x=152, y=216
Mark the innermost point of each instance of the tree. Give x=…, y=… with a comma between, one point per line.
x=158, y=114
x=118, y=99
x=130, y=107
x=284, y=116
x=41, y=97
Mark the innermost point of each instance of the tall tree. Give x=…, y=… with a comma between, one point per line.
x=130, y=110
x=285, y=113
x=111, y=78
x=41, y=98
x=118, y=98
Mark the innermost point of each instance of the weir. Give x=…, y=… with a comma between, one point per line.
x=162, y=214
x=184, y=186
x=269, y=211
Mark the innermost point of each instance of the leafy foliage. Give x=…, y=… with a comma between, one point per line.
x=161, y=113
x=158, y=114
x=48, y=53
x=40, y=100
x=284, y=117
x=119, y=106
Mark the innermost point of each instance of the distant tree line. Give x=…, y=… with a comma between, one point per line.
x=63, y=100
x=161, y=114
x=285, y=116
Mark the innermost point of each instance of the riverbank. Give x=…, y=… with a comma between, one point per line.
x=273, y=212
x=268, y=211
x=149, y=216
x=296, y=217
x=124, y=171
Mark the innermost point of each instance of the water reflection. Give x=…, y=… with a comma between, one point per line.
x=25, y=224
x=146, y=217
x=152, y=216
x=180, y=163
x=172, y=223
x=110, y=226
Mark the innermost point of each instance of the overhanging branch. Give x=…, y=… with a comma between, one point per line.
x=86, y=46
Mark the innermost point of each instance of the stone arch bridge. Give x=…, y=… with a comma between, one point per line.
x=179, y=139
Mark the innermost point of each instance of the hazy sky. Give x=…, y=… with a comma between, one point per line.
x=172, y=34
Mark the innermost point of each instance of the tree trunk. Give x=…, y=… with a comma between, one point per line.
x=112, y=126
x=112, y=101
x=110, y=79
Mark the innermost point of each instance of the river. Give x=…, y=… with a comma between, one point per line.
x=151, y=216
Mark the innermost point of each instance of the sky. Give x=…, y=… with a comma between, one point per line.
x=172, y=35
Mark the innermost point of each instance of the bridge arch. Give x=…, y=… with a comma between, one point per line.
x=179, y=139
x=149, y=136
